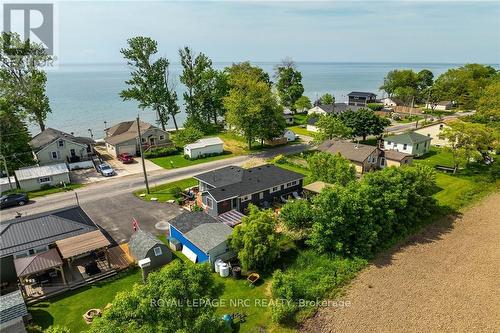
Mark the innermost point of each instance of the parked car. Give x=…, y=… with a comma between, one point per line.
x=106, y=170
x=126, y=158
x=14, y=199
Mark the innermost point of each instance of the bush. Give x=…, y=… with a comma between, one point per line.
x=284, y=313
x=297, y=215
x=279, y=159
x=175, y=191
x=160, y=152
x=187, y=135
x=202, y=156
x=375, y=106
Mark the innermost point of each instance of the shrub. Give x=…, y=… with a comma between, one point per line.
x=375, y=106
x=187, y=135
x=202, y=156
x=296, y=215
x=46, y=186
x=284, y=313
x=175, y=191
x=160, y=152
x=279, y=159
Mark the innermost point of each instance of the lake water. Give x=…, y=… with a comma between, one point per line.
x=83, y=97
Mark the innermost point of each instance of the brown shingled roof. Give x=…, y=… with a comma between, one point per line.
x=349, y=150
x=125, y=131
x=394, y=155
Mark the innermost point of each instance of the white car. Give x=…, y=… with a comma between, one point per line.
x=106, y=170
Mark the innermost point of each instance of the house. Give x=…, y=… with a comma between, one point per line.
x=144, y=245
x=234, y=188
x=288, y=115
x=203, y=237
x=53, y=146
x=359, y=98
x=13, y=312
x=124, y=137
x=289, y=135
x=391, y=101
x=204, y=147
x=363, y=157
x=390, y=158
x=441, y=106
x=336, y=109
x=35, y=234
x=37, y=177
x=433, y=131
x=410, y=142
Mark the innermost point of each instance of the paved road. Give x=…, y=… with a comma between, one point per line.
x=398, y=128
x=115, y=189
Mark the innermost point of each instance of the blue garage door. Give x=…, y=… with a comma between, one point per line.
x=202, y=257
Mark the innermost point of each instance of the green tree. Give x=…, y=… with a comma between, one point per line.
x=364, y=122
x=289, y=84
x=185, y=136
x=163, y=303
x=297, y=215
x=22, y=79
x=57, y=329
x=327, y=99
x=255, y=240
x=303, y=104
x=488, y=107
x=331, y=168
x=425, y=79
x=330, y=127
x=243, y=69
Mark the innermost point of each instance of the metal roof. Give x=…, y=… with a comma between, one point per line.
x=81, y=244
x=41, y=171
x=202, y=143
x=231, y=218
x=42, y=229
x=141, y=242
x=12, y=306
x=209, y=235
x=38, y=262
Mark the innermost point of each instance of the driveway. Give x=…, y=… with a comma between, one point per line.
x=126, y=169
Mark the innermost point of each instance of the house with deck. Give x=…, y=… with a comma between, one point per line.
x=234, y=188
x=360, y=98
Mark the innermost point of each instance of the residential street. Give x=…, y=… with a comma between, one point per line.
x=111, y=204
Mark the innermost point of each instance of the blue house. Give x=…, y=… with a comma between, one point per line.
x=203, y=237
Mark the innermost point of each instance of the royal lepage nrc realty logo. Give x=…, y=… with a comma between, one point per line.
x=33, y=21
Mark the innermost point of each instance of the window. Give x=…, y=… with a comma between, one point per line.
x=72, y=152
x=44, y=180
x=417, y=146
x=162, y=137
x=382, y=161
x=261, y=195
x=157, y=251
x=54, y=155
x=210, y=203
x=405, y=146
x=143, y=140
x=274, y=189
x=60, y=143
x=245, y=198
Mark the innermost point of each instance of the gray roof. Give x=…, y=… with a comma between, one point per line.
x=205, y=142
x=49, y=135
x=38, y=262
x=338, y=108
x=394, y=155
x=141, y=242
x=239, y=181
x=189, y=220
x=349, y=150
x=361, y=94
x=408, y=138
x=12, y=306
x=126, y=130
x=41, y=171
x=27, y=232
x=209, y=235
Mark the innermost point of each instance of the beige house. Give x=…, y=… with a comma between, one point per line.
x=34, y=178
x=441, y=106
x=53, y=146
x=390, y=158
x=433, y=131
x=124, y=137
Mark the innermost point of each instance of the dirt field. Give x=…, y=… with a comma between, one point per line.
x=445, y=279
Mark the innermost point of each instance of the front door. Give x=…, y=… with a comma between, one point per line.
x=72, y=152
x=152, y=141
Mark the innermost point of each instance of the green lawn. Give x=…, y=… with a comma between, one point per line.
x=178, y=160
x=47, y=191
x=166, y=192
x=67, y=309
x=300, y=119
x=301, y=131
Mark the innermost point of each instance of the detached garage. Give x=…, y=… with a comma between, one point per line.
x=203, y=237
x=204, y=147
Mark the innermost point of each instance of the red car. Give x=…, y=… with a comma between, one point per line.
x=126, y=158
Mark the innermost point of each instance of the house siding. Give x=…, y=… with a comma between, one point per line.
x=199, y=152
x=202, y=256
x=161, y=260
x=44, y=156
x=154, y=133
x=269, y=197
x=33, y=184
x=220, y=251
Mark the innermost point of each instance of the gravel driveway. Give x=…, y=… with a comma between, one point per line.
x=445, y=279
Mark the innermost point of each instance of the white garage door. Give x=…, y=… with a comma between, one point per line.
x=126, y=149
x=188, y=253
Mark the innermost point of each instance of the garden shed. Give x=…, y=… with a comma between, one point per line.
x=144, y=245
x=204, y=147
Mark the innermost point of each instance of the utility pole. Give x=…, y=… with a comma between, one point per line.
x=106, y=127
x=91, y=134
x=7, y=172
x=142, y=155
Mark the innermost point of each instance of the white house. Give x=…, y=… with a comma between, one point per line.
x=433, y=131
x=204, y=147
x=33, y=178
x=441, y=106
x=410, y=143
x=288, y=115
x=290, y=135
x=391, y=101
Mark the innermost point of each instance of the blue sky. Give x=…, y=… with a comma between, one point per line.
x=347, y=31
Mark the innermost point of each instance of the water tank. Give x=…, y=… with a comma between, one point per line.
x=223, y=270
x=217, y=264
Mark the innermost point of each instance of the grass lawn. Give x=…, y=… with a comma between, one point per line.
x=67, y=309
x=166, y=192
x=47, y=191
x=300, y=119
x=178, y=160
x=302, y=131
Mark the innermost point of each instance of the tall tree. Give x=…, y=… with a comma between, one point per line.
x=303, y=104
x=289, y=83
x=327, y=99
x=364, y=122
x=21, y=74
x=331, y=168
x=488, y=106
x=331, y=127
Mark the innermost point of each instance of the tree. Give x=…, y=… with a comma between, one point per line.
x=57, y=329
x=364, y=122
x=22, y=79
x=331, y=168
x=330, y=127
x=488, y=106
x=425, y=79
x=185, y=136
x=289, y=84
x=165, y=303
x=252, y=109
x=303, y=104
x=255, y=240
x=296, y=215
x=327, y=99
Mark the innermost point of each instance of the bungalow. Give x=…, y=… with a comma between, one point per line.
x=411, y=143
x=124, y=137
x=336, y=109
x=36, y=177
x=204, y=147
x=434, y=131
x=359, y=98
x=441, y=106
x=203, y=237
x=234, y=188
x=144, y=245
x=391, y=101
x=53, y=146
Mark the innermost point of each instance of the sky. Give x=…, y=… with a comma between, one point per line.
x=335, y=31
